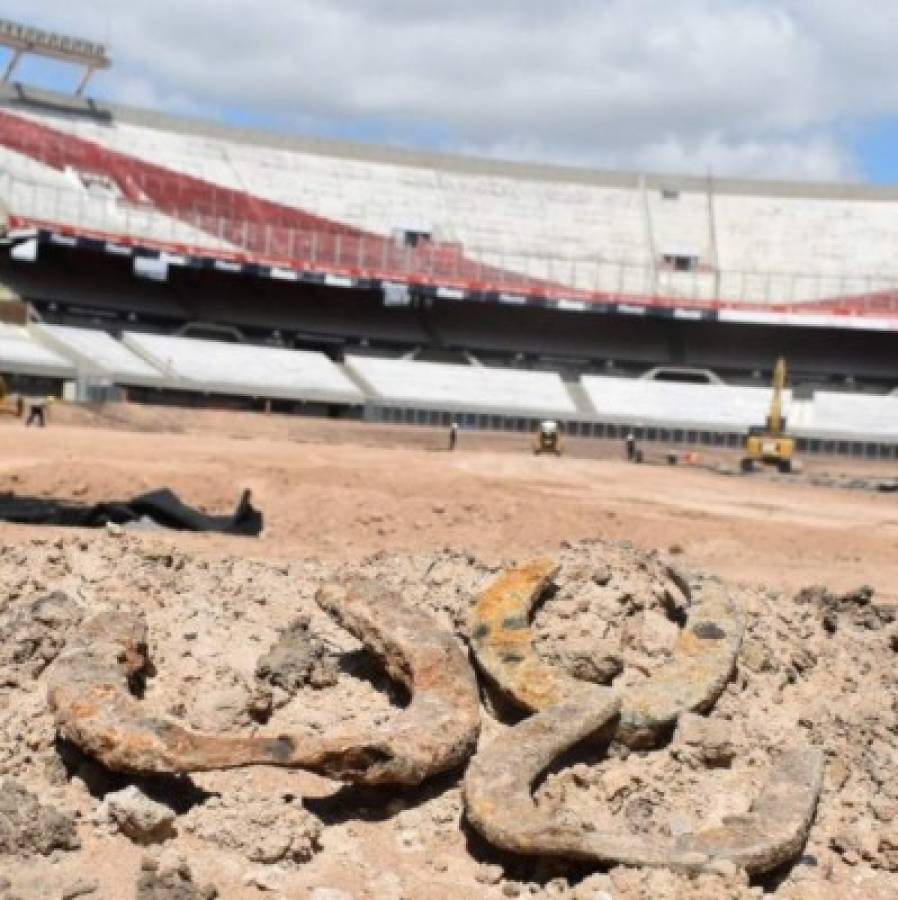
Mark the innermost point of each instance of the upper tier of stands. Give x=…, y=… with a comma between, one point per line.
x=61, y=197
x=464, y=388
x=216, y=367
x=489, y=222
x=639, y=401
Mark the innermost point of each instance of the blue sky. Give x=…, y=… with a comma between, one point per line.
x=768, y=88
x=877, y=151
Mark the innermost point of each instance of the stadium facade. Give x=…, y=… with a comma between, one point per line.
x=184, y=261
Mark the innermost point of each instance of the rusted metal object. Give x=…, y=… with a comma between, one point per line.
x=503, y=643
x=89, y=692
x=776, y=829
x=439, y=729
x=691, y=681
x=500, y=806
x=498, y=785
x=89, y=689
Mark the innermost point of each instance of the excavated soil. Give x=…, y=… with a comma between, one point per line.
x=227, y=615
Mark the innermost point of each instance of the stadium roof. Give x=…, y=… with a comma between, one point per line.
x=23, y=39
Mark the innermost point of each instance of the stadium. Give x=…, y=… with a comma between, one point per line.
x=506, y=607
x=150, y=253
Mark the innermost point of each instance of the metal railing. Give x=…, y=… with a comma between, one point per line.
x=575, y=278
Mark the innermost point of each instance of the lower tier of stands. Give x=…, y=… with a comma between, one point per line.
x=216, y=367
x=20, y=354
x=429, y=393
x=637, y=401
x=98, y=352
x=405, y=382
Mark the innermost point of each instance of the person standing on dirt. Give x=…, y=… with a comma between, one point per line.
x=631, y=446
x=453, y=435
x=37, y=411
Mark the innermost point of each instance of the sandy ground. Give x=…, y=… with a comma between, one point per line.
x=341, y=490
x=394, y=504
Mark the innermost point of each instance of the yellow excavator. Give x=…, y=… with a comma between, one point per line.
x=770, y=445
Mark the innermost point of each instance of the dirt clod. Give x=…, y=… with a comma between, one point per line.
x=33, y=634
x=29, y=828
x=143, y=820
x=298, y=659
x=170, y=881
x=263, y=831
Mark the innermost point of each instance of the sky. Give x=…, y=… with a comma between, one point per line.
x=797, y=89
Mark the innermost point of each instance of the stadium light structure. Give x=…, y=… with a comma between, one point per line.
x=23, y=39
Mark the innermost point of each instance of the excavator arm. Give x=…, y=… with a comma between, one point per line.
x=775, y=415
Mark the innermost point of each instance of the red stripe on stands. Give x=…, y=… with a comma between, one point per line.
x=260, y=226
x=274, y=234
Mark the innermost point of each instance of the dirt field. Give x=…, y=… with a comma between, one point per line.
x=342, y=490
x=393, y=504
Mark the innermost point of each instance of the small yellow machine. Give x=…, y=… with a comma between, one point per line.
x=548, y=438
x=771, y=445
x=9, y=406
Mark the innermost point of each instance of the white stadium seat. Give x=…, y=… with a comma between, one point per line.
x=640, y=401
x=458, y=387
x=97, y=352
x=244, y=369
x=842, y=415
x=20, y=354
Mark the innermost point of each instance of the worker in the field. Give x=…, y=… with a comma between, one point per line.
x=631, y=446
x=37, y=411
x=453, y=435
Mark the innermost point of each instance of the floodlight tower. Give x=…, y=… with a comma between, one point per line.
x=23, y=39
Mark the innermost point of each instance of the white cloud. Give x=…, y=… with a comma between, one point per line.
x=753, y=87
x=813, y=157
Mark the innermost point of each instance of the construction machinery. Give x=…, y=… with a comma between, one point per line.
x=770, y=445
x=10, y=405
x=548, y=438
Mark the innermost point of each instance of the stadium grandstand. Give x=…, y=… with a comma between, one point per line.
x=169, y=260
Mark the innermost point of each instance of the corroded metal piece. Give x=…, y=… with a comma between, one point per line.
x=89, y=692
x=500, y=806
x=89, y=689
x=497, y=789
x=691, y=681
x=503, y=644
x=438, y=730
x=776, y=828
x=696, y=674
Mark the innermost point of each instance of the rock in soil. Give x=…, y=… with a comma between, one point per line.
x=28, y=828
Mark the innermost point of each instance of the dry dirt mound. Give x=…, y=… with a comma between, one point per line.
x=819, y=666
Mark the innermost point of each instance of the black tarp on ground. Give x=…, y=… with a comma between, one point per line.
x=164, y=507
